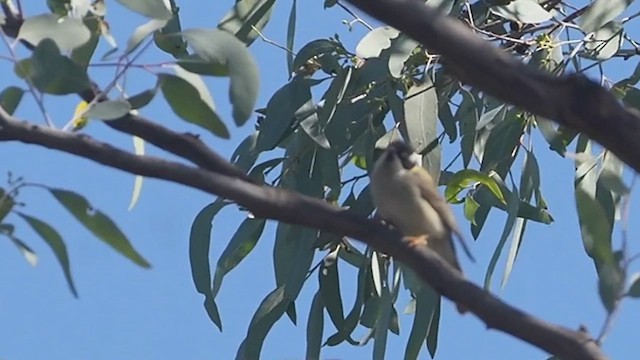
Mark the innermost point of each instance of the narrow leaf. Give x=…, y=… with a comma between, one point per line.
x=188, y=102
x=421, y=116
x=315, y=327
x=270, y=310
x=55, y=242
x=98, y=224
x=513, y=202
x=199, y=244
x=154, y=9
x=240, y=245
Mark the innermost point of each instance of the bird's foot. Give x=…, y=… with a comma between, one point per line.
x=415, y=241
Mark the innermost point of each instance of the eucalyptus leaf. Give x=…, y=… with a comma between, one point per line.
x=187, y=97
x=524, y=11
x=315, y=327
x=108, y=110
x=10, y=98
x=245, y=16
x=98, y=224
x=154, y=9
x=420, y=116
x=199, y=245
x=270, y=310
x=221, y=49
x=67, y=33
x=52, y=73
x=240, y=245
x=57, y=245
x=601, y=12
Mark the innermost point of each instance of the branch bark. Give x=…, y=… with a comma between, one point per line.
x=572, y=100
x=279, y=204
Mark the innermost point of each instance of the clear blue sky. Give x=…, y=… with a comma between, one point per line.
x=126, y=312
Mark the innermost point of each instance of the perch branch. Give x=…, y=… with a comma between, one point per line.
x=279, y=204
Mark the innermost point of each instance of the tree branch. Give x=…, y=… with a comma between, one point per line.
x=279, y=204
x=186, y=146
x=572, y=100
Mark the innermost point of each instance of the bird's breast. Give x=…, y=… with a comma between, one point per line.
x=400, y=202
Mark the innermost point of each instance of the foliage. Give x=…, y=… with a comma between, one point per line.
x=319, y=134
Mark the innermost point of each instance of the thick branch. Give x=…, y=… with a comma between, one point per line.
x=186, y=146
x=283, y=205
x=571, y=100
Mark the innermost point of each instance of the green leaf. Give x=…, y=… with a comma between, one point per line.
x=426, y=303
x=595, y=220
x=312, y=127
x=446, y=88
x=351, y=321
x=245, y=16
x=516, y=242
x=199, y=244
x=524, y=11
x=399, y=54
x=245, y=155
x=108, y=110
x=98, y=224
x=51, y=72
x=552, y=135
x=270, y=310
x=67, y=33
x=281, y=109
x=502, y=143
x=329, y=284
x=220, y=49
x=292, y=257
x=142, y=32
x=316, y=49
x=467, y=116
x=464, y=178
x=371, y=312
x=168, y=39
x=610, y=285
x=315, y=327
x=372, y=44
x=420, y=116
x=432, y=337
x=240, y=245
x=26, y=251
x=601, y=12
x=513, y=202
x=291, y=34
x=471, y=206
x=82, y=55
x=332, y=98
x=138, y=149
x=55, y=242
x=611, y=176
x=188, y=97
x=291, y=313
x=634, y=288
x=6, y=203
x=382, y=325
x=10, y=98
x=143, y=98
x=606, y=41
x=154, y=9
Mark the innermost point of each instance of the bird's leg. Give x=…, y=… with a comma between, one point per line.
x=418, y=240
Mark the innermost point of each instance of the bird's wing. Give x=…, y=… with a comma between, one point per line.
x=429, y=192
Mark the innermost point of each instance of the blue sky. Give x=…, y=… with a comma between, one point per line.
x=126, y=312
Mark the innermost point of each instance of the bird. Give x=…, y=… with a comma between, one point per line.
x=407, y=198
